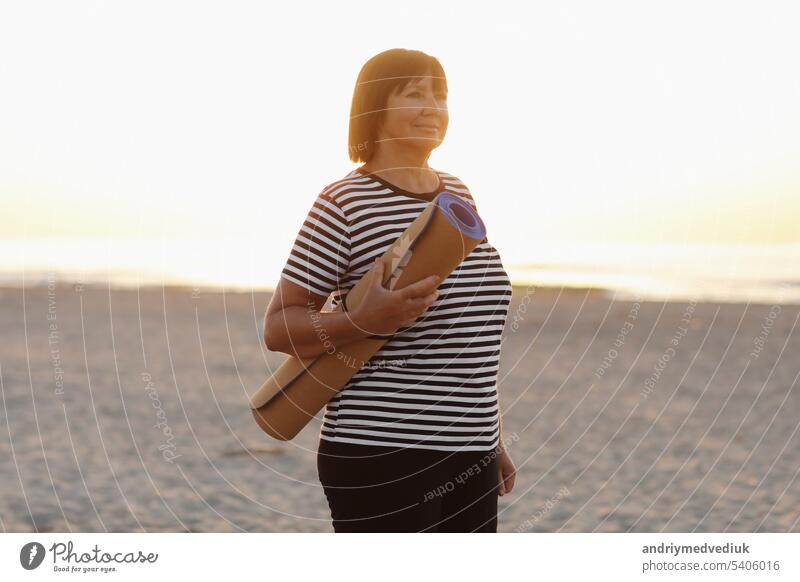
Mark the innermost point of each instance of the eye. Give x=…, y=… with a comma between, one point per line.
x=413, y=93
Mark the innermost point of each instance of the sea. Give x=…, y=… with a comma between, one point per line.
x=732, y=273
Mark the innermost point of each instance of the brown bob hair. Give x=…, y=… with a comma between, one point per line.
x=380, y=76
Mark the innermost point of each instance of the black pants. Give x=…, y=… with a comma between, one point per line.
x=390, y=489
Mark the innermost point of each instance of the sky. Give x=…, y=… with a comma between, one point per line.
x=571, y=122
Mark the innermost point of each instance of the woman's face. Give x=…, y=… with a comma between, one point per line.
x=416, y=117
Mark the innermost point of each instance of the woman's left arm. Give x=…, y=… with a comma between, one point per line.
x=505, y=466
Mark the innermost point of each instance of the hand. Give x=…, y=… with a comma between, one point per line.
x=507, y=472
x=383, y=311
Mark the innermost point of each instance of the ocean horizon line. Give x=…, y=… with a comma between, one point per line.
x=548, y=281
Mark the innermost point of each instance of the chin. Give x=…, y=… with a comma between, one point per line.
x=427, y=142
x=427, y=148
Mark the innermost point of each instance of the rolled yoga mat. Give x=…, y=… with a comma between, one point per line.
x=438, y=240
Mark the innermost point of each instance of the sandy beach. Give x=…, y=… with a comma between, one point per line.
x=126, y=410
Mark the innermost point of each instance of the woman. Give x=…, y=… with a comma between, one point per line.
x=413, y=441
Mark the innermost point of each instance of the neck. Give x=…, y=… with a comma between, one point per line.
x=406, y=168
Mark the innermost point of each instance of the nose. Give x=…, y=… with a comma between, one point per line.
x=430, y=107
x=431, y=102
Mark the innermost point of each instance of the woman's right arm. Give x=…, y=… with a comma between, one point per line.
x=295, y=325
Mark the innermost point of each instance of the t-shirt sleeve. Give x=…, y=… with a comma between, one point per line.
x=458, y=187
x=468, y=195
x=464, y=191
x=320, y=256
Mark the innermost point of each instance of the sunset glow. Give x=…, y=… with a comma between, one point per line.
x=574, y=126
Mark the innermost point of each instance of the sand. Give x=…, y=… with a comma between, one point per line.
x=126, y=410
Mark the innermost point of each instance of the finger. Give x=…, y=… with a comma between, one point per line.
x=422, y=287
x=419, y=304
x=415, y=314
x=409, y=317
x=510, y=482
x=416, y=307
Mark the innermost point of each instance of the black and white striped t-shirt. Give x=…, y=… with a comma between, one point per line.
x=433, y=385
